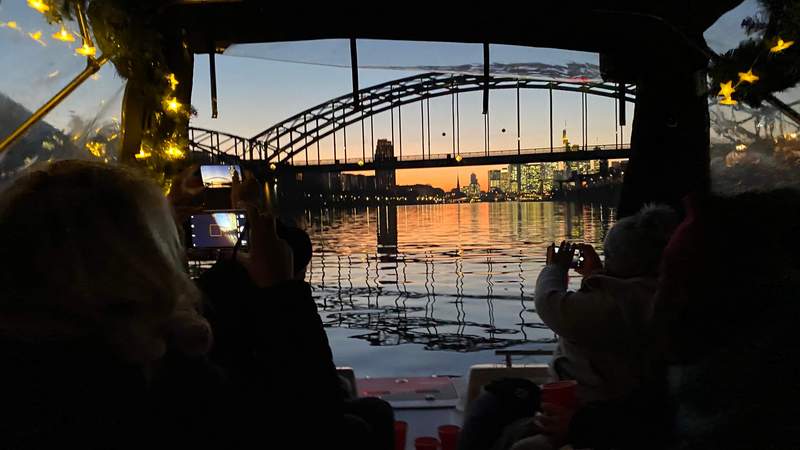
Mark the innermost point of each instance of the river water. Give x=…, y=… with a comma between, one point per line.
x=433, y=289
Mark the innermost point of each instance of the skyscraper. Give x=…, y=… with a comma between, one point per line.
x=514, y=177
x=505, y=181
x=384, y=178
x=537, y=180
x=474, y=189
x=494, y=179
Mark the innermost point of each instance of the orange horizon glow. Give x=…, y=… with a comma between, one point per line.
x=444, y=177
x=441, y=177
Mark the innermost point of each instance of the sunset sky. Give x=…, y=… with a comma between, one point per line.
x=258, y=88
x=255, y=93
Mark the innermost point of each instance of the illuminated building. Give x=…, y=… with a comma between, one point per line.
x=514, y=176
x=474, y=188
x=494, y=179
x=505, y=182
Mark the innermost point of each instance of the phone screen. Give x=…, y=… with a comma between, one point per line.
x=219, y=229
x=219, y=176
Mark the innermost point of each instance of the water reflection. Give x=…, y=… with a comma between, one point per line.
x=446, y=277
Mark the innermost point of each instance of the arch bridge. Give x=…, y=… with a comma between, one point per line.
x=294, y=143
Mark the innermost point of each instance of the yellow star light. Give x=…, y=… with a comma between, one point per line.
x=97, y=149
x=10, y=24
x=63, y=35
x=37, y=36
x=272, y=166
x=86, y=50
x=726, y=89
x=142, y=154
x=748, y=76
x=172, y=104
x=173, y=82
x=173, y=151
x=458, y=158
x=39, y=5
x=727, y=101
x=781, y=46
x=360, y=162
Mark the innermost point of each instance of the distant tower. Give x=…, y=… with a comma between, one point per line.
x=384, y=178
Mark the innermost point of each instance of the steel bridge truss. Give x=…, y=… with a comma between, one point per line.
x=303, y=132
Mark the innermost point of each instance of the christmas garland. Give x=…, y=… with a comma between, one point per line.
x=766, y=63
x=127, y=31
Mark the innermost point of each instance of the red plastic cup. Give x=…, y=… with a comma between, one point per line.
x=448, y=435
x=400, y=430
x=426, y=443
x=561, y=393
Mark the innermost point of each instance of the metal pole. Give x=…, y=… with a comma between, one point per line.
x=391, y=115
x=486, y=78
x=428, y=101
x=458, y=124
x=486, y=134
x=334, y=134
x=305, y=137
x=317, y=128
x=422, y=125
x=372, y=134
x=551, y=118
x=212, y=67
x=92, y=66
x=519, y=145
x=586, y=121
x=583, y=117
x=344, y=135
x=363, y=142
x=400, y=129
x=453, y=117
x=354, y=70
x=616, y=126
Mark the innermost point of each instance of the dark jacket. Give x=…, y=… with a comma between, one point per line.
x=272, y=343
x=269, y=378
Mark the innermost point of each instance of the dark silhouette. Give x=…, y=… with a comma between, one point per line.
x=103, y=340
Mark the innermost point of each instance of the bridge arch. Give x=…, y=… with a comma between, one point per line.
x=282, y=141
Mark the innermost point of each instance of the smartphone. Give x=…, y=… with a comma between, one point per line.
x=220, y=176
x=217, y=229
x=577, y=260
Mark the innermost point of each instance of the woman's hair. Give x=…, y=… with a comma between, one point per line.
x=92, y=253
x=633, y=246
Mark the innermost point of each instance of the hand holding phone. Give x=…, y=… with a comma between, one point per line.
x=270, y=260
x=590, y=261
x=562, y=255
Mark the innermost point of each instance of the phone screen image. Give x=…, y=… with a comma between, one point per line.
x=578, y=261
x=217, y=229
x=219, y=176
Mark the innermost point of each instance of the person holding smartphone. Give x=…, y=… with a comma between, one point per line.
x=270, y=338
x=603, y=327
